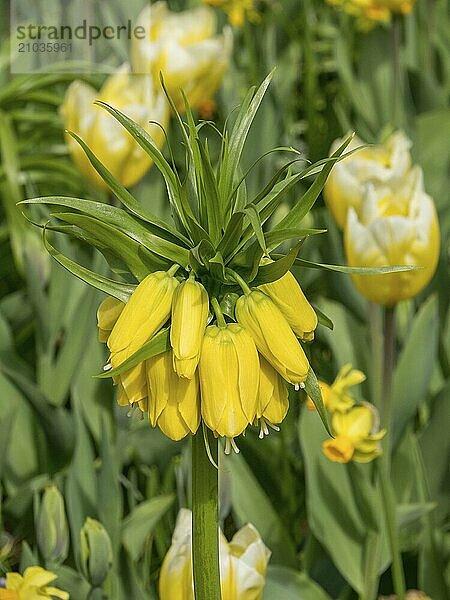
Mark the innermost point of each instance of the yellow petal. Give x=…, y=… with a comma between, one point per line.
x=272, y=335
x=107, y=314
x=338, y=450
x=287, y=294
x=273, y=402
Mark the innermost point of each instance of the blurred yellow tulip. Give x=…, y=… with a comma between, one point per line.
x=290, y=299
x=173, y=402
x=243, y=564
x=229, y=373
x=189, y=316
x=135, y=96
x=33, y=585
x=385, y=164
x=394, y=228
x=335, y=396
x=184, y=48
x=273, y=336
x=356, y=434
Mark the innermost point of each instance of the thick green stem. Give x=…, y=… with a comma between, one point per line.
x=383, y=360
x=205, y=519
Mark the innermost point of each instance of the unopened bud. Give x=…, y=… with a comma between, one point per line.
x=96, y=552
x=51, y=526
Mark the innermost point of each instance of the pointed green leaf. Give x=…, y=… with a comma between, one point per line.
x=274, y=270
x=313, y=390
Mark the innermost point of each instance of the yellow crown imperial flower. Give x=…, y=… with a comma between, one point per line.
x=273, y=336
x=133, y=94
x=336, y=396
x=384, y=164
x=273, y=401
x=394, y=228
x=173, y=402
x=243, y=564
x=107, y=314
x=290, y=299
x=357, y=435
x=146, y=311
x=229, y=372
x=189, y=316
x=184, y=48
x=32, y=585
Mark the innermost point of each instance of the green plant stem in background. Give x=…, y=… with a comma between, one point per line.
x=205, y=525
x=383, y=359
x=397, y=91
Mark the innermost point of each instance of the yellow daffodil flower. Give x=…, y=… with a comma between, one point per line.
x=238, y=11
x=290, y=299
x=174, y=403
x=243, y=564
x=33, y=585
x=336, y=396
x=273, y=336
x=184, y=48
x=189, y=316
x=273, y=401
x=229, y=373
x=385, y=164
x=107, y=314
x=357, y=435
x=134, y=95
x=400, y=229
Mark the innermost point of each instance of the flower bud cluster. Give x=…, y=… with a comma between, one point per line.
x=355, y=426
x=230, y=373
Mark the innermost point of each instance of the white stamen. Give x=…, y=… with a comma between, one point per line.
x=227, y=446
x=302, y=385
x=233, y=445
x=107, y=367
x=296, y=387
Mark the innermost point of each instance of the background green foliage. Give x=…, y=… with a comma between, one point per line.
x=60, y=428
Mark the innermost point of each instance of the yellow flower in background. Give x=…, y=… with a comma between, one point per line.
x=229, y=376
x=287, y=294
x=238, y=11
x=189, y=316
x=184, y=47
x=173, y=402
x=398, y=228
x=371, y=12
x=243, y=564
x=336, y=397
x=273, y=400
x=356, y=434
x=33, y=585
x=136, y=96
x=385, y=164
x=107, y=314
x=273, y=336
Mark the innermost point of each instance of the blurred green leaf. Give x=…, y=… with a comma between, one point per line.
x=283, y=583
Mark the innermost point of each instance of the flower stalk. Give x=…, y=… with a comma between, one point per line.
x=205, y=533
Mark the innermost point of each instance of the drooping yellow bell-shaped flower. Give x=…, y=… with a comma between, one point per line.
x=243, y=564
x=336, y=396
x=273, y=401
x=173, y=402
x=290, y=299
x=273, y=336
x=146, y=311
x=138, y=98
x=189, y=316
x=384, y=164
x=184, y=48
x=132, y=386
x=357, y=435
x=107, y=314
x=33, y=585
x=400, y=229
x=229, y=373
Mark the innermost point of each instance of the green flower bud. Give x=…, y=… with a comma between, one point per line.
x=96, y=552
x=51, y=527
